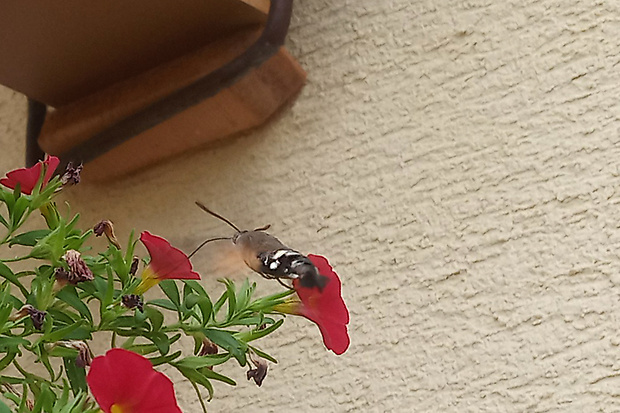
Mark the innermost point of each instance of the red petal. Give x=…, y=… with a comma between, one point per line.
x=128, y=379
x=335, y=336
x=52, y=163
x=326, y=308
x=167, y=261
x=27, y=178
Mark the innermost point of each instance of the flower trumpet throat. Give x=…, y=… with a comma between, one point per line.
x=149, y=279
x=291, y=306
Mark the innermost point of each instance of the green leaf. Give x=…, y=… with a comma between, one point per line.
x=217, y=376
x=6, y=272
x=232, y=300
x=156, y=361
x=3, y=222
x=76, y=376
x=245, y=293
x=8, y=343
x=19, y=209
x=70, y=296
x=44, y=400
x=195, y=376
x=30, y=238
x=161, y=341
x=227, y=341
x=4, y=408
x=60, y=351
x=198, y=362
x=8, y=359
x=169, y=287
x=62, y=333
x=156, y=317
x=257, y=333
x=163, y=303
x=263, y=355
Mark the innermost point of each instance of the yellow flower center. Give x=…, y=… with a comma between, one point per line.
x=149, y=279
x=118, y=409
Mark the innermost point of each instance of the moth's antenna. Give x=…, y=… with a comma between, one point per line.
x=205, y=243
x=208, y=211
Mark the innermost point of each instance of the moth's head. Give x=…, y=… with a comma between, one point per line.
x=238, y=235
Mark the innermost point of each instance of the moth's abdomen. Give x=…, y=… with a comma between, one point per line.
x=282, y=263
x=287, y=263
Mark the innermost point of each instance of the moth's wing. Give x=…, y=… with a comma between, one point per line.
x=220, y=260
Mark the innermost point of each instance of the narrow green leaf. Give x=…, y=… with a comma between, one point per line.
x=70, y=296
x=227, y=341
x=210, y=374
x=4, y=408
x=232, y=300
x=198, y=362
x=161, y=341
x=62, y=333
x=169, y=287
x=3, y=222
x=29, y=238
x=156, y=361
x=163, y=303
x=6, y=272
x=198, y=378
x=76, y=376
x=257, y=333
x=156, y=317
x=264, y=355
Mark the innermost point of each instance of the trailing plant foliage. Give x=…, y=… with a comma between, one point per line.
x=70, y=295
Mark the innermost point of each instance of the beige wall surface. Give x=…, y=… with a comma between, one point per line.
x=459, y=164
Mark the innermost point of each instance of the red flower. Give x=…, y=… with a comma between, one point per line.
x=166, y=263
x=325, y=308
x=125, y=382
x=27, y=178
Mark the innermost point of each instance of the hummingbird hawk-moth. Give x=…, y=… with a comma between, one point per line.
x=268, y=256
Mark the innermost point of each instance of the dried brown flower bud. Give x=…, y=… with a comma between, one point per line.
x=78, y=270
x=37, y=316
x=259, y=373
x=133, y=301
x=71, y=175
x=106, y=227
x=84, y=357
x=134, y=266
x=208, y=347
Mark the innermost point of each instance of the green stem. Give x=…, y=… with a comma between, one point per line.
x=202, y=403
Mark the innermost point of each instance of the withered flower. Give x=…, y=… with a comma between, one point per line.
x=106, y=227
x=133, y=301
x=71, y=175
x=260, y=372
x=78, y=270
x=208, y=347
x=84, y=357
x=37, y=316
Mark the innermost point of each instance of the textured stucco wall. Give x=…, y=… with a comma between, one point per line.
x=459, y=163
